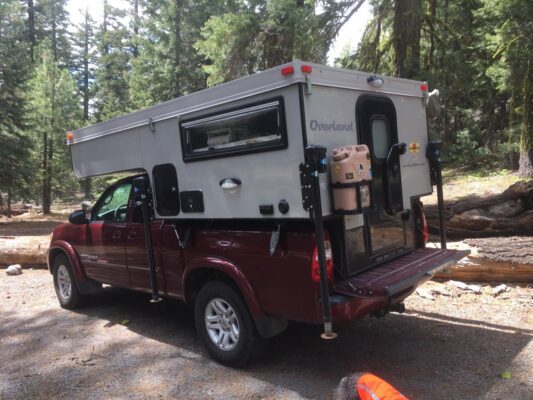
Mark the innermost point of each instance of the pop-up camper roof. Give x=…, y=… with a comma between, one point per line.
x=275, y=114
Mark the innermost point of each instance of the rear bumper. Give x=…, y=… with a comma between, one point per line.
x=388, y=284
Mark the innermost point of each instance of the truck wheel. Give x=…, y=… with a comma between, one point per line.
x=225, y=324
x=65, y=284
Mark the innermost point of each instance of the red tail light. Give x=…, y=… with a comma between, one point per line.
x=315, y=268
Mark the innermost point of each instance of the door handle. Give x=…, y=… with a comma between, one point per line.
x=116, y=235
x=230, y=183
x=131, y=235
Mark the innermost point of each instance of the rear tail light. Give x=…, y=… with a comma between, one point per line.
x=315, y=266
x=423, y=224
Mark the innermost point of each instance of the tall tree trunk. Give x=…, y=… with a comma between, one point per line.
x=525, y=169
x=177, y=48
x=104, y=29
x=135, y=28
x=46, y=189
x=31, y=28
x=406, y=38
x=86, y=68
x=9, y=201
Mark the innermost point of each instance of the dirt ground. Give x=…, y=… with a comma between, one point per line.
x=446, y=346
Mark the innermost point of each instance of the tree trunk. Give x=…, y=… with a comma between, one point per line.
x=406, y=38
x=46, y=189
x=177, y=48
x=135, y=28
x=86, y=67
x=31, y=28
x=525, y=169
x=9, y=202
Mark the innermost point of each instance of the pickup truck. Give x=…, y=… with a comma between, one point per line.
x=242, y=292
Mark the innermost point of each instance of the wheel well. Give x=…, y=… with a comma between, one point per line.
x=53, y=253
x=199, y=277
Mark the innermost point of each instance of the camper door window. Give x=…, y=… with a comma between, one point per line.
x=259, y=127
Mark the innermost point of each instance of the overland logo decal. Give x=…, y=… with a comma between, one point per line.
x=330, y=126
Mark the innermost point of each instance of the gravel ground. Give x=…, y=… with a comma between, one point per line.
x=452, y=346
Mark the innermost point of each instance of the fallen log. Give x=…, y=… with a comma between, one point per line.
x=504, y=214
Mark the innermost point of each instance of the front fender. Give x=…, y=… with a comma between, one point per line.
x=230, y=270
x=65, y=247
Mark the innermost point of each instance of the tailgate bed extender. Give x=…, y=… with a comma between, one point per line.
x=398, y=278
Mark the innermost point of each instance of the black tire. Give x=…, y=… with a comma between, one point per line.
x=248, y=341
x=62, y=270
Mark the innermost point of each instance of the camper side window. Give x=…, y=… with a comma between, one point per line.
x=257, y=128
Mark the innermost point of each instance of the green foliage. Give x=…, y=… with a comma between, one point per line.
x=53, y=110
x=15, y=148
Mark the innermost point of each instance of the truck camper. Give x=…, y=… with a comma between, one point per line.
x=290, y=194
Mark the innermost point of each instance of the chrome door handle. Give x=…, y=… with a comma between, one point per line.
x=131, y=235
x=116, y=235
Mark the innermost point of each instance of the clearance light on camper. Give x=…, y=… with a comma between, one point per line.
x=307, y=69
x=70, y=136
x=287, y=70
x=424, y=87
x=375, y=81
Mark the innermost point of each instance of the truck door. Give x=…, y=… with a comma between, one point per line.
x=102, y=254
x=384, y=225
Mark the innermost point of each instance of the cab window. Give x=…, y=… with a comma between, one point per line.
x=113, y=205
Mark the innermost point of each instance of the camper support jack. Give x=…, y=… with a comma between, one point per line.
x=315, y=160
x=141, y=197
x=433, y=154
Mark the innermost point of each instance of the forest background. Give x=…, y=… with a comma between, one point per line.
x=56, y=77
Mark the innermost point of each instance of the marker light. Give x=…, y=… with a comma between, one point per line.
x=287, y=70
x=375, y=81
x=307, y=69
x=70, y=136
x=424, y=87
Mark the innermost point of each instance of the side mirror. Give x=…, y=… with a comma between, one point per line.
x=78, y=218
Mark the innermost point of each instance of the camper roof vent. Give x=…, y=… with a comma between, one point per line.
x=375, y=81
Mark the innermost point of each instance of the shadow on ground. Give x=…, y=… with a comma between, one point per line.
x=426, y=356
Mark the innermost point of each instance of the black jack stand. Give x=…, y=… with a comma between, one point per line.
x=141, y=193
x=433, y=155
x=315, y=163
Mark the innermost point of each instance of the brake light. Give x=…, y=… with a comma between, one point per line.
x=423, y=225
x=315, y=266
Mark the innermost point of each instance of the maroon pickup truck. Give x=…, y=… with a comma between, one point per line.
x=241, y=291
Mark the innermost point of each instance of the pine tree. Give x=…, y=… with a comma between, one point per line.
x=15, y=148
x=113, y=66
x=54, y=109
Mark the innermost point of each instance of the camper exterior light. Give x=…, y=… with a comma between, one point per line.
x=307, y=69
x=424, y=87
x=375, y=81
x=287, y=70
x=70, y=136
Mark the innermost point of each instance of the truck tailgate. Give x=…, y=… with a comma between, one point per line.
x=399, y=277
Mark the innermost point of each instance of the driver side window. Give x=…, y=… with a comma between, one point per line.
x=113, y=205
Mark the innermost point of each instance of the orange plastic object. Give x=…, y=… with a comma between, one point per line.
x=350, y=165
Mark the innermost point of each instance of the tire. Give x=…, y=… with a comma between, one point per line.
x=65, y=284
x=221, y=307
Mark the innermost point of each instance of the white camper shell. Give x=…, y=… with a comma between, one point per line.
x=234, y=151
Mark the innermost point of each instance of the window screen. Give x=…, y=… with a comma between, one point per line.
x=167, y=199
x=380, y=137
x=255, y=128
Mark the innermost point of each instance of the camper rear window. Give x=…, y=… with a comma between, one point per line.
x=256, y=128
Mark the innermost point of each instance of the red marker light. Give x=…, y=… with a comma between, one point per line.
x=307, y=69
x=424, y=87
x=287, y=70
